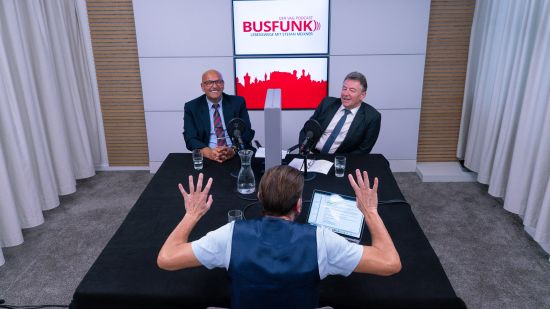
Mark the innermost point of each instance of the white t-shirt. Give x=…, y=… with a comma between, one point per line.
x=335, y=255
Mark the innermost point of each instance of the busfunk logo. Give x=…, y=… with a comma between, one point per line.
x=281, y=26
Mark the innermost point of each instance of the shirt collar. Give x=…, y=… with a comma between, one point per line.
x=353, y=110
x=210, y=103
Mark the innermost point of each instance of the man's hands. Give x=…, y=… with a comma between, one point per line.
x=367, y=198
x=218, y=154
x=197, y=201
x=177, y=253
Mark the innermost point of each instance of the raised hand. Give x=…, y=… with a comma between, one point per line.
x=367, y=198
x=381, y=257
x=177, y=253
x=197, y=201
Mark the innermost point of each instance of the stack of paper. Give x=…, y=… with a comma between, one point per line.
x=317, y=166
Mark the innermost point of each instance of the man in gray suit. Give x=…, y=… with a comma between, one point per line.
x=349, y=125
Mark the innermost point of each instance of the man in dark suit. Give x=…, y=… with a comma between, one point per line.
x=206, y=118
x=349, y=125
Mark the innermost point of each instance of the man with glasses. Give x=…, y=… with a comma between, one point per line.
x=349, y=124
x=206, y=117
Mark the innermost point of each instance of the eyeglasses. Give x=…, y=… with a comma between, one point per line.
x=210, y=83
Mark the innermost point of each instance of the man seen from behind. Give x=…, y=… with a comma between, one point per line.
x=274, y=262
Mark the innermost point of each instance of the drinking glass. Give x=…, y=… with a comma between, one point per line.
x=197, y=159
x=234, y=214
x=339, y=166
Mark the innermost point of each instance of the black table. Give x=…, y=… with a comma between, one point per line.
x=125, y=274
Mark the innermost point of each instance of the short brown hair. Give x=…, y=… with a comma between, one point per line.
x=358, y=77
x=280, y=188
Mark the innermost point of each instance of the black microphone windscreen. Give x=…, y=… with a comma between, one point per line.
x=236, y=125
x=313, y=126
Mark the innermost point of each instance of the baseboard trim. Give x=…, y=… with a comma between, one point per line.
x=444, y=172
x=401, y=166
x=154, y=166
x=103, y=168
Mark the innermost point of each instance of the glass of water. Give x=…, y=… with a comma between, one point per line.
x=197, y=159
x=234, y=215
x=339, y=166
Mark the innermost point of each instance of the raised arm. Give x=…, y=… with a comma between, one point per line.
x=176, y=253
x=381, y=258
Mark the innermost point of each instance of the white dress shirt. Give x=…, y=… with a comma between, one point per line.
x=342, y=135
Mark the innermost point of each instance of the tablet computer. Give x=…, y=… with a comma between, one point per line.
x=336, y=212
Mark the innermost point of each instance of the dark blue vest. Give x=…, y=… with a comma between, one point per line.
x=274, y=265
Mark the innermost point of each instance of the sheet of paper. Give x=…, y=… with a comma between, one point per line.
x=317, y=166
x=260, y=153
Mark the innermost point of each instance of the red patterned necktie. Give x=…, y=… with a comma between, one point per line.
x=218, y=127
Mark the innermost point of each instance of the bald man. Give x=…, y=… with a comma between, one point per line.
x=206, y=118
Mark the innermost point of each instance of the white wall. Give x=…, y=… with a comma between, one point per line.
x=383, y=39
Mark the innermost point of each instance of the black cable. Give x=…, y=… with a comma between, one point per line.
x=246, y=198
x=394, y=201
x=248, y=206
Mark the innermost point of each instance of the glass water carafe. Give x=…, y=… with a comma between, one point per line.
x=246, y=183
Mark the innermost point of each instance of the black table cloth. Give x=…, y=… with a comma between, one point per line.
x=125, y=275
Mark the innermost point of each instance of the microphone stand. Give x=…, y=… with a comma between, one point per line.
x=310, y=176
x=312, y=128
x=235, y=174
x=234, y=128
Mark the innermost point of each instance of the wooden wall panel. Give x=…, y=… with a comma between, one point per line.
x=444, y=75
x=118, y=76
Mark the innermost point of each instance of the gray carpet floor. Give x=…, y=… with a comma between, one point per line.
x=490, y=260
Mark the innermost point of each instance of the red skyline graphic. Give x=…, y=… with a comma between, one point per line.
x=296, y=92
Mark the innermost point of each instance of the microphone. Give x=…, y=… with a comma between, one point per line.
x=313, y=133
x=305, y=142
x=235, y=127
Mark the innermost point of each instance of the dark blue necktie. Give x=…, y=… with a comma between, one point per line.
x=335, y=132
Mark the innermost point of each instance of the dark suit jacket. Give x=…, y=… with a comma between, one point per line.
x=364, y=129
x=196, y=120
